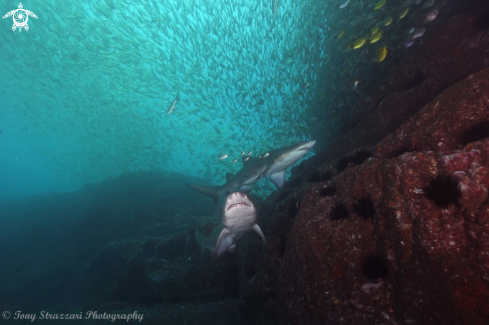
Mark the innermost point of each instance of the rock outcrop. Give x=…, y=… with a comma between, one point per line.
x=401, y=237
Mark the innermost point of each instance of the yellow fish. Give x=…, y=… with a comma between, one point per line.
x=382, y=53
x=388, y=21
x=374, y=30
x=375, y=37
x=403, y=13
x=347, y=47
x=380, y=4
x=341, y=34
x=359, y=43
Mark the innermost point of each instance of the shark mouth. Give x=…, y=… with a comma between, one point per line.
x=238, y=205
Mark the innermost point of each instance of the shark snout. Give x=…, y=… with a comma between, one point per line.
x=307, y=145
x=237, y=200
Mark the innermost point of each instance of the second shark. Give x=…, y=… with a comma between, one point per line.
x=272, y=164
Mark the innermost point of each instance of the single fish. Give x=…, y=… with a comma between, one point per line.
x=344, y=3
x=431, y=16
x=242, y=153
x=380, y=4
x=375, y=37
x=223, y=157
x=403, y=13
x=428, y=4
x=418, y=32
x=355, y=85
x=410, y=30
x=388, y=21
x=265, y=155
x=409, y=43
x=249, y=153
x=273, y=166
x=172, y=106
x=234, y=160
x=340, y=34
x=359, y=43
x=381, y=54
x=238, y=217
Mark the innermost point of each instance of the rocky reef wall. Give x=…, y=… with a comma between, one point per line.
x=392, y=233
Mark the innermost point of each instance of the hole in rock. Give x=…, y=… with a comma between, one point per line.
x=365, y=208
x=443, y=190
x=474, y=133
x=374, y=267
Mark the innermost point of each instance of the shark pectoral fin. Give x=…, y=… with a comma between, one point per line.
x=258, y=230
x=223, y=243
x=212, y=191
x=245, y=189
x=278, y=178
x=228, y=176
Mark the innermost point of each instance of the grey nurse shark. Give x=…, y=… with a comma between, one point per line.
x=272, y=164
x=238, y=217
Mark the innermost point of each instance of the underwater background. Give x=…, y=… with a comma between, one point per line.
x=90, y=92
x=109, y=108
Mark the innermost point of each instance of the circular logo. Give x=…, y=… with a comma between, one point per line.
x=20, y=17
x=6, y=314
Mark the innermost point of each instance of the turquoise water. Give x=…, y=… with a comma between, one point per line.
x=85, y=91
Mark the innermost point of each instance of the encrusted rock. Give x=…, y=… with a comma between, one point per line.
x=414, y=262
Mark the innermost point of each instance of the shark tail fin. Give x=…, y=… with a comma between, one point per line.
x=213, y=191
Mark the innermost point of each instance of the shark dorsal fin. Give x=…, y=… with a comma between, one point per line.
x=228, y=176
x=246, y=159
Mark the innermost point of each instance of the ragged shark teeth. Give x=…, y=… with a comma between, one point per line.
x=238, y=205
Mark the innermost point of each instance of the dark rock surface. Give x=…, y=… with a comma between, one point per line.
x=448, y=52
x=414, y=262
x=117, y=247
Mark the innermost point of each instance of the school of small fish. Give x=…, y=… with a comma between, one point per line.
x=366, y=36
x=122, y=85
